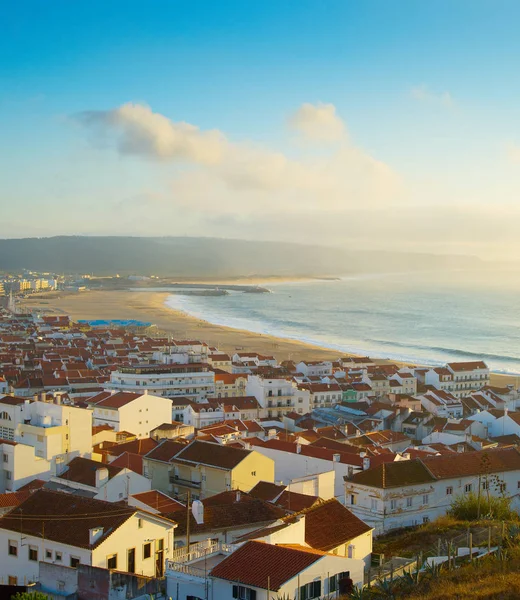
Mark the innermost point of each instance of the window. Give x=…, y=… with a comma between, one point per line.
x=393, y=504
x=467, y=488
x=426, y=519
x=147, y=550
x=13, y=548
x=6, y=458
x=33, y=553
x=502, y=487
x=243, y=593
x=485, y=485
x=353, y=499
x=112, y=561
x=409, y=502
x=253, y=473
x=373, y=504
x=310, y=591
x=48, y=554
x=139, y=523
x=449, y=491
x=425, y=499
x=8, y=475
x=335, y=581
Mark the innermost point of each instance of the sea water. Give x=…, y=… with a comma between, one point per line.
x=429, y=318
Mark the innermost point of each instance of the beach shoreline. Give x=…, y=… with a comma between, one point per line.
x=151, y=306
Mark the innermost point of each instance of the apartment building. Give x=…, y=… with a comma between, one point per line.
x=195, y=381
x=278, y=396
x=137, y=413
x=57, y=432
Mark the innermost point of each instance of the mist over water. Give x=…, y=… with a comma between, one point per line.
x=428, y=318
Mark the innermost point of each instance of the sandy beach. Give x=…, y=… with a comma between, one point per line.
x=150, y=306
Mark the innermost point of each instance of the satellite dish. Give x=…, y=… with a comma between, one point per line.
x=197, y=509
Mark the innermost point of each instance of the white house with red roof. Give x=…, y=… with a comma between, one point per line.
x=261, y=571
x=134, y=412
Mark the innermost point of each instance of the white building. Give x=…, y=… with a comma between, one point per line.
x=278, y=396
x=459, y=378
x=58, y=432
x=194, y=380
x=406, y=493
x=20, y=466
x=137, y=413
x=441, y=404
x=45, y=527
x=259, y=571
x=315, y=368
x=100, y=481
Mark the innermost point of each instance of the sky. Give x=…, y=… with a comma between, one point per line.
x=378, y=124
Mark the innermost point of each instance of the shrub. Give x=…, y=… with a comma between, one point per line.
x=470, y=508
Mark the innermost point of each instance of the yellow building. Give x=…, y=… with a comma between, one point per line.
x=205, y=468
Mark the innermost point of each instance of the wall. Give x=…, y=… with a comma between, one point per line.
x=128, y=536
x=289, y=466
x=144, y=414
x=320, y=570
x=254, y=468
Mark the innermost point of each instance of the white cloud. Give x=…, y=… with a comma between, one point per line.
x=220, y=174
x=140, y=131
x=423, y=94
x=318, y=122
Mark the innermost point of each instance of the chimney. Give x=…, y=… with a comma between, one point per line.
x=505, y=411
x=101, y=476
x=366, y=463
x=336, y=457
x=94, y=534
x=298, y=448
x=238, y=496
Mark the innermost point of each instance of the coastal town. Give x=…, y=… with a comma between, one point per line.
x=136, y=465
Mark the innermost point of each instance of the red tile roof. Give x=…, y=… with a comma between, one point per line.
x=231, y=509
x=159, y=501
x=264, y=565
x=117, y=400
x=127, y=460
x=139, y=446
x=83, y=470
x=330, y=524
x=214, y=455
x=58, y=513
x=165, y=450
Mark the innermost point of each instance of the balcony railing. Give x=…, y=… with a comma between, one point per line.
x=201, y=550
x=184, y=482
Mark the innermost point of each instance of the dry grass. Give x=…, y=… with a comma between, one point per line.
x=411, y=541
x=493, y=579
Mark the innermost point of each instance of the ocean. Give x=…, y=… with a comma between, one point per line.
x=429, y=318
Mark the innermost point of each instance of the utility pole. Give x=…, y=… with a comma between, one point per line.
x=478, y=502
x=188, y=522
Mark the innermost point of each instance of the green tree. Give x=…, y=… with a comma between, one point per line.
x=30, y=596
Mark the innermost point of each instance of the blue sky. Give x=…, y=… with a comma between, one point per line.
x=428, y=89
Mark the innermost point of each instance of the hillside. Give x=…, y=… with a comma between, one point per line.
x=206, y=257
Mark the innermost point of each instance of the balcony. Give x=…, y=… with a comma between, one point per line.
x=185, y=482
x=199, y=561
